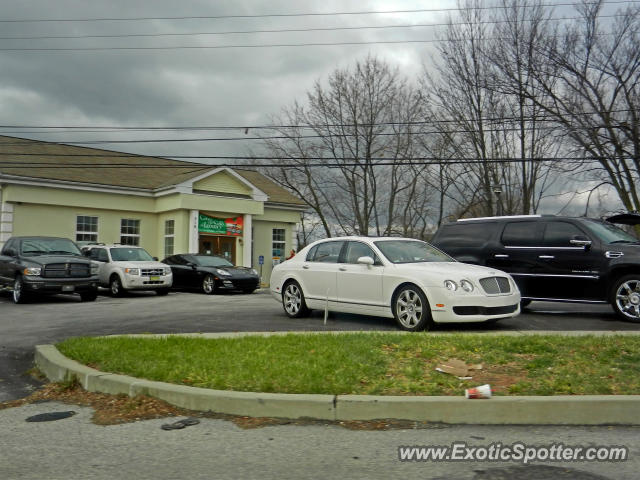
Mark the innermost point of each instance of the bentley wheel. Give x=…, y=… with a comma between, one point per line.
x=293, y=300
x=411, y=309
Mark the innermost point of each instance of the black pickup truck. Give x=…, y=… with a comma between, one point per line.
x=44, y=266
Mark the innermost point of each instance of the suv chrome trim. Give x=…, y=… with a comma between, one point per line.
x=612, y=254
x=552, y=275
x=498, y=218
x=563, y=300
x=522, y=247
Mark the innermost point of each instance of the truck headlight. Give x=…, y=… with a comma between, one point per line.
x=32, y=271
x=94, y=268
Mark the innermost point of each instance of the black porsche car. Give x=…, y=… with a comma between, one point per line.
x=209, y=273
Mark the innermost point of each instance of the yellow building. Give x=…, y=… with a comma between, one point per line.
x=163, y=205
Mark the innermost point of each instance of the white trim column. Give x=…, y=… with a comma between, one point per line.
x=6, y=221
x=194, y=234
x=294, y=236
x=246, y=239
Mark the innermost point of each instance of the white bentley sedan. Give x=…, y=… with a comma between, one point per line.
x=400, y=278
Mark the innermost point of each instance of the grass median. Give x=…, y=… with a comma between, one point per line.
x=373, y=363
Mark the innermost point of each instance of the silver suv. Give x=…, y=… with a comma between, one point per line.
x=125, y=267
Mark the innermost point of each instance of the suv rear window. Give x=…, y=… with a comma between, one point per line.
x=521, y=234
x=465, y=234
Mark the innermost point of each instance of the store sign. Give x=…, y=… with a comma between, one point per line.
x=220, y=226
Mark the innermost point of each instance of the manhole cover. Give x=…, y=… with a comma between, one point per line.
x=50, y=417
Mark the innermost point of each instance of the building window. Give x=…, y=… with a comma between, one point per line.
x=129, y=232
x=169, y=235
x=278, y=242
x=86, y=229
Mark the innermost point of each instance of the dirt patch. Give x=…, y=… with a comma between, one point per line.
x=118, y=409
x=500, y=377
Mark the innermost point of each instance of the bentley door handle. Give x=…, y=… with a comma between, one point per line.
x=306, y=267
x=500, y=255
x=342, y=269
x=546, y=257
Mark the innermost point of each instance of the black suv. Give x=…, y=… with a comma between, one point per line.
x=553, y=258
x=46, y=265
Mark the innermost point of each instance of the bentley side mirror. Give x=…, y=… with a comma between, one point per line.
x=366, y=261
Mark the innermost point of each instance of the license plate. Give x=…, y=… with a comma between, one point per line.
x=68, y=288
x=154, y=279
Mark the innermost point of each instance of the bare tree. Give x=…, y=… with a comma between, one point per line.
x=348, y=152
x=591, y=89
x=488, y=121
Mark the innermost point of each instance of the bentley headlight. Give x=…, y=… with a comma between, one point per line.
x=466, y=285
x=451, y=285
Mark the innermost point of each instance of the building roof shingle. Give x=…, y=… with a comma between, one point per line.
x=54, y=161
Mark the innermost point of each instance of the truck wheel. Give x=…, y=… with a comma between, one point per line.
x=115, y=286
x=625, y=297
x=89, y=296
x=19, y=295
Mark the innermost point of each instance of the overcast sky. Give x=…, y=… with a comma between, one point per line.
x=186, y=87
x=105, y=81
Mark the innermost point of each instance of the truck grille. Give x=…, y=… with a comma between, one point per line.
x=151, y=272
x=495, y=285
x=67, y=270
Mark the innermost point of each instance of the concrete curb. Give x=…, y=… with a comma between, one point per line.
x=523, y=410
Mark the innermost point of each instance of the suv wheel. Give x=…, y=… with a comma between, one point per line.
x=19, y=295
x=115, y=286
x=625, y=297
x=411, y=309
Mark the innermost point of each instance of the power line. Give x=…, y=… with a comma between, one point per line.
x=211, y=47
x=307, y=14
x=378, y=160
x=137, y=128
x=286, y=30
x=275, y=137
x=241, y=46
